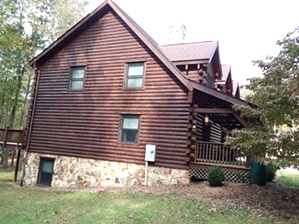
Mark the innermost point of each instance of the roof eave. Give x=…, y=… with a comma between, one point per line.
x=153, y=48
x=219, y=95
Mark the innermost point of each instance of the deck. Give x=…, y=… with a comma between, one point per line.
x=12, y=138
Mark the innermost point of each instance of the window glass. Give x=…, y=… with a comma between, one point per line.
x=130, y=123
x=135, y=69
x=76, y=85
x=77, y=78
x=134, y=83
x=78, y=73
x=129, y=129
x=47, y=166
x=134, y=75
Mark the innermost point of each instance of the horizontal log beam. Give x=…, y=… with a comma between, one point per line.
x=214, y=110
x=241, y=120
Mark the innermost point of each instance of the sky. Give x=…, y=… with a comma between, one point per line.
x=246, y=30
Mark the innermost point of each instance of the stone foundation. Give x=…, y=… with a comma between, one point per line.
x=80, y=172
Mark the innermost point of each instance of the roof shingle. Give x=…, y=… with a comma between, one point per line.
x=190, y=51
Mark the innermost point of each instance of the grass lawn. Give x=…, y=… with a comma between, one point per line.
x=289, y=178
x=29, y=205
x=7, y=175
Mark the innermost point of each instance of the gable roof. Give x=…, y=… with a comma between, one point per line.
x=96, y=14
x=236, y=88
x=199, y=52
x=190, y=51
x=225, y=71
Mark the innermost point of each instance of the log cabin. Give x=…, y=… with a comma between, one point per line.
x=111, y=107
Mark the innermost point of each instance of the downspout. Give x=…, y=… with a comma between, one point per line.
x=37, y=72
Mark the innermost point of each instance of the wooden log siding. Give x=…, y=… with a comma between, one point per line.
x=87, y=123
x=215, y=135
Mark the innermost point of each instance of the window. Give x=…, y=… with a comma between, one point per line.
x=129, y=129
x=45, y=171
x=77, y=78
x=134, y=75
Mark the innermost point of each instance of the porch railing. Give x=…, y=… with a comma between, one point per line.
x=219, y=153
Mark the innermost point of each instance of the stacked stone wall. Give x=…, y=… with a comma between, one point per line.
x=80, y=172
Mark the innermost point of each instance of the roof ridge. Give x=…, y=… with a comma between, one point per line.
x=197, y=42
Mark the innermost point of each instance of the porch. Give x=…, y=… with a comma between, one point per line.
x=235, y=164
x=212, y=119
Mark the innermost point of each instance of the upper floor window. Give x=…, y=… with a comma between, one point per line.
x=134, y=75
x=77, y=78
x=129, y=128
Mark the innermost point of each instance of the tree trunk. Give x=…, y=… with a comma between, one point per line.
x=13, y=158
x=24, y=108
x=5, y=158
x=16, y=97
x=1, y=155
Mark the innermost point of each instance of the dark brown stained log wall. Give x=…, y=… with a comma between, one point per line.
x=215, y=131
x=215, y=135
x=86, y=123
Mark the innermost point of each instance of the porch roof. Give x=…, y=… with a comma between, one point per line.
x=218, y=106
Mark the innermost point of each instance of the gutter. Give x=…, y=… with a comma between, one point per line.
x=37, y=72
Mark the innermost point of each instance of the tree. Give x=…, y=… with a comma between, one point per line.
x=276, y=96
x=63, y=15
x=26, y=26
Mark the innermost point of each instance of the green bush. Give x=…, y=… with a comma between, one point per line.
x=216, y=176
x=271, y=170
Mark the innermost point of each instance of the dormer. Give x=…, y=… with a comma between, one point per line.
x=236, y=89
x=225, y=84
x=199, y=61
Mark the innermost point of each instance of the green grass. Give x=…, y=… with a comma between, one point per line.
x=7, y=175
x=27, y=205
x=288, y=178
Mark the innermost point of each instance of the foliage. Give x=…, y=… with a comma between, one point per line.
x=271, y=170
x=26, y=26
x=216, y=176
x=276, y=96
x=50, y=206
x=60, y=19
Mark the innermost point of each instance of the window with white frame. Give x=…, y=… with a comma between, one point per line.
x=129, y=128
x=77, y=78
x=134, y=75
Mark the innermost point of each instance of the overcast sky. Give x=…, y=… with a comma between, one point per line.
x=246, y=30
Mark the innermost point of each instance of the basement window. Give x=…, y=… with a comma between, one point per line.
x=77, y=78
x=45, y=172
x=134, y=75
x=129, y=129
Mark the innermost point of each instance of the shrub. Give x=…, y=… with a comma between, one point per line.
x=271, y=169
x=216, y=176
